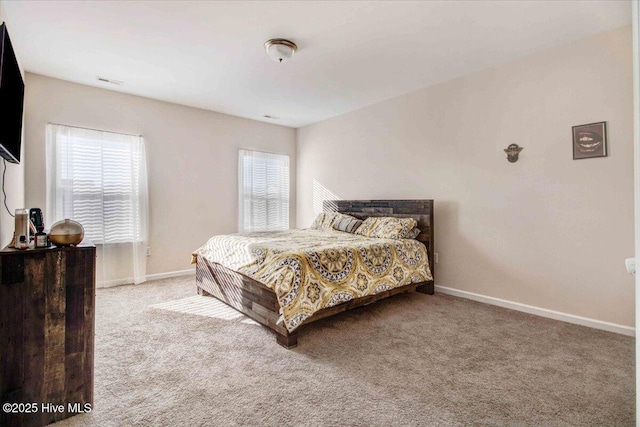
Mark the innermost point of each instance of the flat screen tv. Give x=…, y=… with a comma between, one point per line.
x=11, y=100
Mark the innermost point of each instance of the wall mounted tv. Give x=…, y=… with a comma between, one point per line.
x=11, y=100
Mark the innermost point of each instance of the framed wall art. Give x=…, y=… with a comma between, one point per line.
x=590, y=141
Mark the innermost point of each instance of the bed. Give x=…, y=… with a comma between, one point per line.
x=273, y=278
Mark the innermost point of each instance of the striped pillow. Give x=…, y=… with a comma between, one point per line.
x=346, y=223
x=324, y=221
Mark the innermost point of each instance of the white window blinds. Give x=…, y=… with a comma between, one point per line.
x=263, y=191
x=100, y=180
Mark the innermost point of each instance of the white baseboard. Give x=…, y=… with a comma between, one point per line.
x=543, y=312
x=113, y=283
x=158, y=276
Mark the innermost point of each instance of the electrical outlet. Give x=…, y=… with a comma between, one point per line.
x=631, y=265
x=435, y=257
x=148, y=250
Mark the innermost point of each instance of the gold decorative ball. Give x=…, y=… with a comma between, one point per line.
x=66, y=233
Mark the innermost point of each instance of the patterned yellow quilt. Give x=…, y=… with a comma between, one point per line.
x=311, y=269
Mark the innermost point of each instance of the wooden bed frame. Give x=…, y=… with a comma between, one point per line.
x=257, y=301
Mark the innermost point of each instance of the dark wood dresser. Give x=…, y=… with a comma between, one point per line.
x=47, y=299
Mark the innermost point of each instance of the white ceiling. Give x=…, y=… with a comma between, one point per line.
x=210, y=54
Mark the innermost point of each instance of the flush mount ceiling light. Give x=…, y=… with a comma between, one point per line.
x=280, y=50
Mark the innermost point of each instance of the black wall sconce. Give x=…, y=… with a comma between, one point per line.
x=512, y=152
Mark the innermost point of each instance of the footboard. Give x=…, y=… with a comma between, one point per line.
x=246, y=295
x=260, y=303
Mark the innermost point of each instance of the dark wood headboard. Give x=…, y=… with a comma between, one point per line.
x=421, y=210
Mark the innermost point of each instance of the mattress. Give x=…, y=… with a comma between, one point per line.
x=309, y=270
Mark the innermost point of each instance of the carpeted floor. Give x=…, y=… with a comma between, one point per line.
x=165, y=357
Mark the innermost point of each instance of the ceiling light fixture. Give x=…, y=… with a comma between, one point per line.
x=280, y=50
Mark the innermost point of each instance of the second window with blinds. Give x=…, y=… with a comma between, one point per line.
x=263, y=191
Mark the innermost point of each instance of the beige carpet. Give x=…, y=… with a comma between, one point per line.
x=165, y=357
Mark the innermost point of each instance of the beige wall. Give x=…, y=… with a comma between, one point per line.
x=546, y=231
x=14, y=184
x=192, y=158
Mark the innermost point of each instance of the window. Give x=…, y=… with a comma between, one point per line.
x=100, y=180
x=264, y=191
